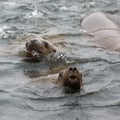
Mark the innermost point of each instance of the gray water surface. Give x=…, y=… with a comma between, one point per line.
x=21, y=99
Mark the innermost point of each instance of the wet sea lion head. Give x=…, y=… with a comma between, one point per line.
x=40, y=46
x=71, y=78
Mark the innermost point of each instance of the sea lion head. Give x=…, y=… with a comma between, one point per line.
x=71, y=78
x=41, y=46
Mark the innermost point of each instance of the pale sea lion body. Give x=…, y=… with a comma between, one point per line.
x=105, y=32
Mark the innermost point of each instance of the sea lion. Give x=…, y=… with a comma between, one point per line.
x=36, y=47
x=32, y=46
x=105, y=31
x=71, y=77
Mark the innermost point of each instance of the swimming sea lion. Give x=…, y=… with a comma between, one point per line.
x=31, y=45
x=105, y=31
x=70, y=77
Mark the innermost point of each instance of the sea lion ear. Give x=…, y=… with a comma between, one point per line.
x=27, y=44
x=45, y=44
x=81, y=75
x=60, y=76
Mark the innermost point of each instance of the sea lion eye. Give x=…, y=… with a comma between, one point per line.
x=46, y=44
x=54, y=50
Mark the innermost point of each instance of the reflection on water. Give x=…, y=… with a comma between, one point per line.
x=27, y=88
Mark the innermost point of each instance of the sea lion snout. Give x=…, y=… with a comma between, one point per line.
x=72, y=69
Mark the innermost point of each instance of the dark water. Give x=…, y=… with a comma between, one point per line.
x=21, y=99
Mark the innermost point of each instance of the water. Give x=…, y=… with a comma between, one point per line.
x=23, y=92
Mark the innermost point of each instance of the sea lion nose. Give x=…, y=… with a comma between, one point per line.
x=72, y=69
